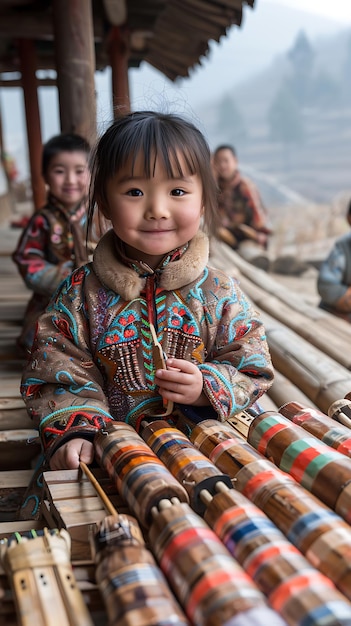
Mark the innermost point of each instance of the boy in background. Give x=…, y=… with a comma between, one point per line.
x=53, y=243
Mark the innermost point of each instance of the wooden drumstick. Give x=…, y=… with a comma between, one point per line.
x=160, y=363
x=105, y=499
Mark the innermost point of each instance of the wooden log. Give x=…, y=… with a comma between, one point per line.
x=186, y=463
x=228, y=260
x=306, y=326
x=120, y=554
x=267, y=402
x=320, y=425
x=15, y=419
x=283, y=391
x=315, y=373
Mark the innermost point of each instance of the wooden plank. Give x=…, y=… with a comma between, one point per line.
x=15, y=478
x=15, y=419
x=8, y=528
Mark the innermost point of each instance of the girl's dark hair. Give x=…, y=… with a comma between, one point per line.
x=154, y=135
x=66, y=142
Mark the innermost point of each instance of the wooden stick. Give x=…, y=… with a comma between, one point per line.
x=105, y=499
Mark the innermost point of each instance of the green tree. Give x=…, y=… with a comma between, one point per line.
x=230, y=122
x=285, y=123
x=324, y=90
x=285, y=118
x=301, y=57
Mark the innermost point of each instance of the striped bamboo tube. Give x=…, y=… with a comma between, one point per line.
x=321, y=535
x=39, y=568
x=315, y=422
x=295, y=589
x=134, y=590
x=187, y=464
x=140, y=477
x=211, y=586
x=324, y=472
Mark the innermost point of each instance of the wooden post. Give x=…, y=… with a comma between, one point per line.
x=75, y=65
x=119, y=55
x=28, y=63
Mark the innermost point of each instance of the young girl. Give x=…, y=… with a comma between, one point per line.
x=93, y=358
x=53, y=242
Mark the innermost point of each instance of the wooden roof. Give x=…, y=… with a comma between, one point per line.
x=172, y=35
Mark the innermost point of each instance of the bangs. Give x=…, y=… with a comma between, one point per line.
x=153, y=139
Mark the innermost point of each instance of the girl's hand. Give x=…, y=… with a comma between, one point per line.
x=69, y=455
x=181, y=382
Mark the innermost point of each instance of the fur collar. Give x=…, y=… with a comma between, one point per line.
x=127, y=283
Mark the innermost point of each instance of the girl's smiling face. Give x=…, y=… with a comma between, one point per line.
x=155, y=215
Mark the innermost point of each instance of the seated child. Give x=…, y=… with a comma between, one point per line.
x=92, y=359
x=54, y=241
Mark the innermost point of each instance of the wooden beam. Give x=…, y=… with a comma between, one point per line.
x=41, y=82
x=29, y=83
x=119, y=54
x=37, y=26
x=75, y=66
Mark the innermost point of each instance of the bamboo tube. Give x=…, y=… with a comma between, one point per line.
x=321, y=470
x=45, y=591
x=321, y=535
x=320, y=425
x=140, y=477
x=210, y=585
x=295, y=589
x=134, y=590
x=321, y=329
x=186, y=463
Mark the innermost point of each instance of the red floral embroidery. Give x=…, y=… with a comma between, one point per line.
x=179, y=311
x=129, y=320
x=112, y=339
x=241, y=331
x=189, y=329
x=77, y=276
x=128, y=333
x=63, y=327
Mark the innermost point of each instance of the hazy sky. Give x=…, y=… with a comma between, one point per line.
x=335, y=9
x=266, y=32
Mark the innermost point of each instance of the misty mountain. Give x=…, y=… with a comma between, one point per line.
x=291, y=123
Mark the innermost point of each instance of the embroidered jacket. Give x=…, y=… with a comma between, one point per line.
x=50, y=247
x=92, y=356
x=334, y=279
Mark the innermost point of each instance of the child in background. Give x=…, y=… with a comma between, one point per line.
x=92, y=359
x=334, y=278
x=53, y=242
